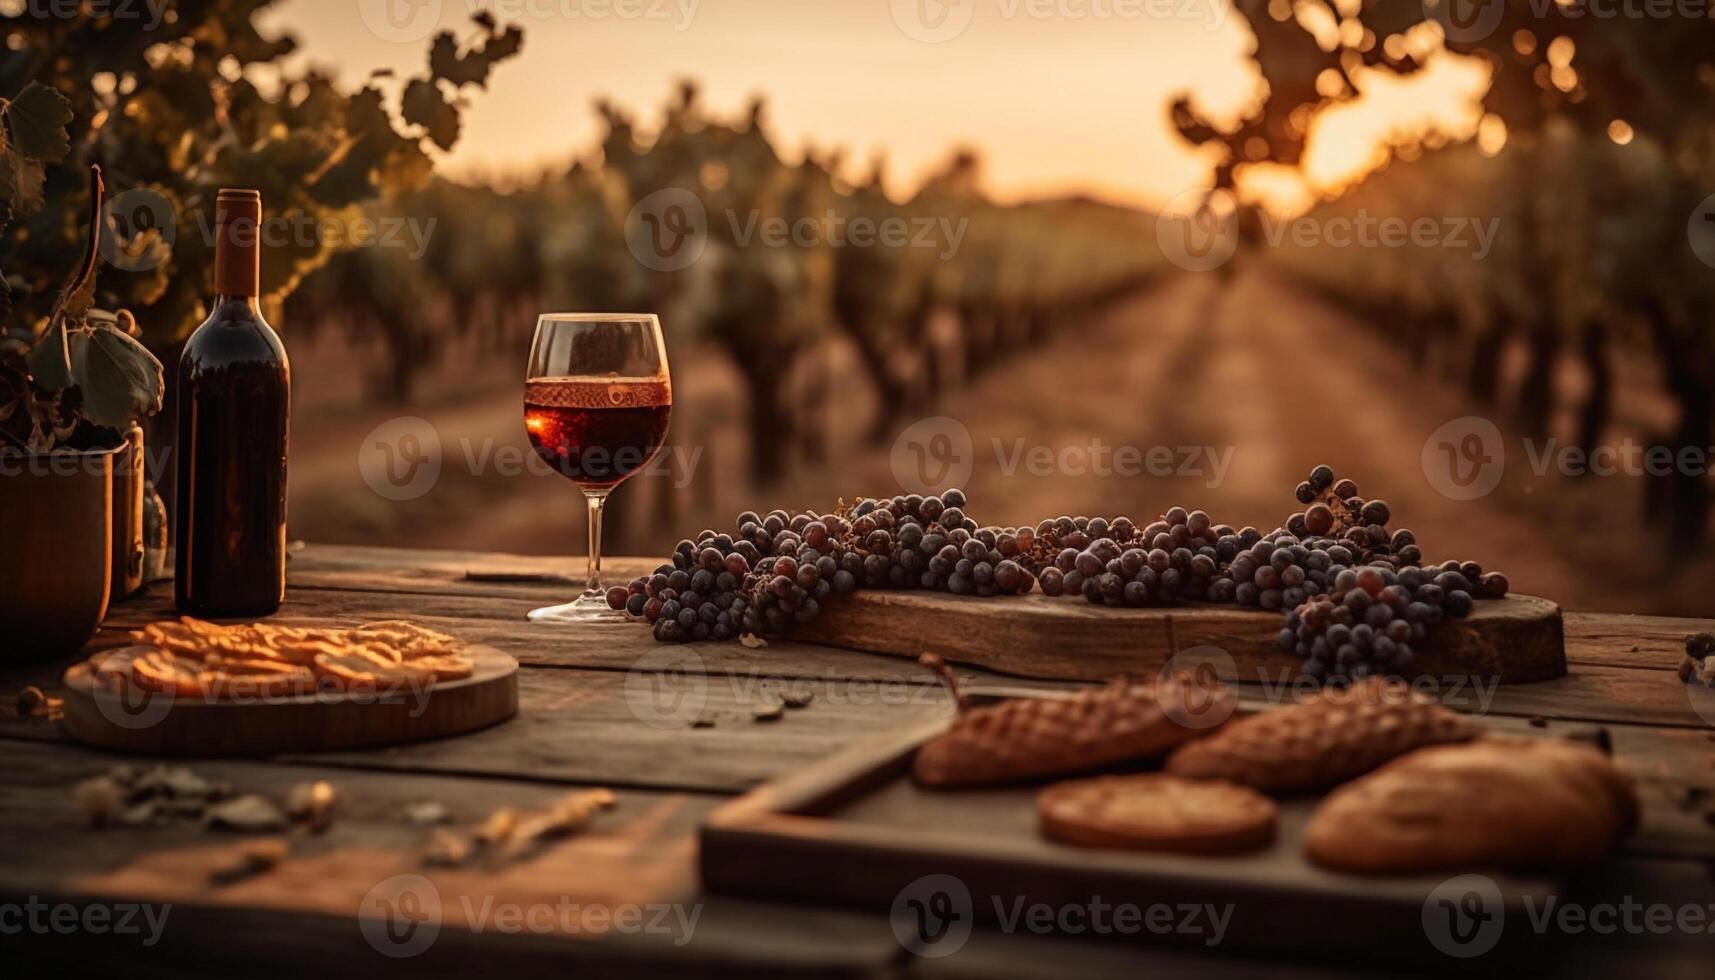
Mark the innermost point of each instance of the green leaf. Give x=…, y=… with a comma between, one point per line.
x=36, y=123
x=21, y=183
x=424, y=106
x=119, y=378
x=50, y=359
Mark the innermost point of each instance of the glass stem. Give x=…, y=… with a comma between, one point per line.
x=595, y=501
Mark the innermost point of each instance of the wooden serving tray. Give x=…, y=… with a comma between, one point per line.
x=307, y=723
x=856, y=830
x=1518, y=638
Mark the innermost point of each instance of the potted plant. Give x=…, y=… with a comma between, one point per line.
x=72, y=392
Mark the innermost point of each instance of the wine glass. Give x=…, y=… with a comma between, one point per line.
x=597, y=398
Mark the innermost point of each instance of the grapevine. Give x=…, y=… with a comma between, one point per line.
x=1354, y=592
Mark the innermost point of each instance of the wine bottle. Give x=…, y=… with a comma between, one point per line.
x=233, y=398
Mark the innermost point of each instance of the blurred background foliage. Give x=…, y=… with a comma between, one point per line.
x=1591, y=320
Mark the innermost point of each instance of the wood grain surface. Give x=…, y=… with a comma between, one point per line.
x=577, y=727
x=1515, y=639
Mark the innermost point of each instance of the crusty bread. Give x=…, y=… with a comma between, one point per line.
x=1333, y=736
x=1031, y=738
x=1492, y=803
x=1156, y=812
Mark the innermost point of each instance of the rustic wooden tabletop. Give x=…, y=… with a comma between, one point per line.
x=577, y=728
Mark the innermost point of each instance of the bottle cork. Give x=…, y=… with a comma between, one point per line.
x=237, y=250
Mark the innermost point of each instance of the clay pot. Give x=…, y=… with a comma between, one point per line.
x=56, y=551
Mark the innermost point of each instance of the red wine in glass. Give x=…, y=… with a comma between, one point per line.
x=597, y=400
x=597, y=431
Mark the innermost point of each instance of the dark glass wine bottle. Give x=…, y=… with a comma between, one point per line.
x=233, y=397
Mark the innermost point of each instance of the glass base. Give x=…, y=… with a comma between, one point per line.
x=590, y=607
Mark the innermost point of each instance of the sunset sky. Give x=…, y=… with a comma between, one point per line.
x=1057, y=103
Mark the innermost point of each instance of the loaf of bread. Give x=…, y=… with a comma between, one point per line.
x=1491, y=803
x=1333, y=736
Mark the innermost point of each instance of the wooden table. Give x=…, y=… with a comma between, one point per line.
x=576, y=729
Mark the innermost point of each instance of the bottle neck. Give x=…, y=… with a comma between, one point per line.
x=229, y=300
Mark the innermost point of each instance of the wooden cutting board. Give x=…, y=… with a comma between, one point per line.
x=1518, y=638
x=162, y=725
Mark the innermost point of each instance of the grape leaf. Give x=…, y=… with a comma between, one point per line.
x=36, y=123
x=424, y=106
x=22, y=183
x=472, y=67
x=119, y=378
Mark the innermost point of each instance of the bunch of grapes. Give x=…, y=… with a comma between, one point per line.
x=917, y=542
x=1333, y=509
x=772, y=573
x=1366, y=624
x=1173, y=559
x=1356, y=596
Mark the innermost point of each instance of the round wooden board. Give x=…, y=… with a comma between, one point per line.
x=1518, y=638
x=163, y=725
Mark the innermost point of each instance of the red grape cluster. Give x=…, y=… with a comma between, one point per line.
x=1354, y=593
